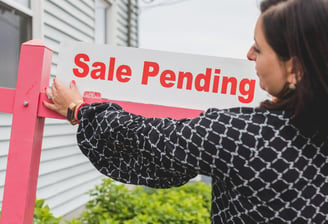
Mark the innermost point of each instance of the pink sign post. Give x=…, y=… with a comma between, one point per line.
x=26, y=132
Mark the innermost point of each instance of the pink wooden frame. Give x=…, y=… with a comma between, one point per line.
x=25, y=103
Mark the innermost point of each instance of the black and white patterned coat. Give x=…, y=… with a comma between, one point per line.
x=263, y=169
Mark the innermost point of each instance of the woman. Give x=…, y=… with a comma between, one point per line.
x=268, y=164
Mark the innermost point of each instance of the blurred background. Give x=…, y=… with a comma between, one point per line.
x=209, y=27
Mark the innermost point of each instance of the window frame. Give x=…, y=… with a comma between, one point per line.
x=110, y=22
x=19, y=7
x=34, y=11
x=24, y=11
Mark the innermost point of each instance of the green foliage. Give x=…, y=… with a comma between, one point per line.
x=42, y=214
x=114, y=203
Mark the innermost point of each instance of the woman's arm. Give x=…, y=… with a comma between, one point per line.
x=150, y=151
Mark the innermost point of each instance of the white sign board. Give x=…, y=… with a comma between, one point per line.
x=160, y=78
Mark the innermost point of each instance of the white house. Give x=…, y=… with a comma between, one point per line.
x=65, y=175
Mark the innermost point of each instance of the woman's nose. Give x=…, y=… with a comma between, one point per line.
x=251, y=54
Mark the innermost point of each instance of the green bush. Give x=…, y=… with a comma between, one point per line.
x=42, y=214
x=115, y=204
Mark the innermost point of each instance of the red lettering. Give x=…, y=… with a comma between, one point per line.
x=123, y=73
x=99, y=72
x=151, y=69
x=206, y=78
x=225, y=82
x=79, y=63
x=167, y=78
x=183, y=75
x=216, y=81
x=111, y=69
x=248, y=93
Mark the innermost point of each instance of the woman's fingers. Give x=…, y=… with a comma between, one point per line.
x=50, y=106
x=72, y=84
x=74, y=88
x=61, y=96
x=75, y=92
x=49, y=93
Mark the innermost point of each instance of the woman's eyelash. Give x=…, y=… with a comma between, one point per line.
x=256, y=49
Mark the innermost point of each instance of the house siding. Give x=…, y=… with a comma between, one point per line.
x=65, y=174
x=5, y=127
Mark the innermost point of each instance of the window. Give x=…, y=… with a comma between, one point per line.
x=15, y=29
x=101, y=23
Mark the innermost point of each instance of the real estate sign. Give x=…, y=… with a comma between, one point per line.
x=158, y=77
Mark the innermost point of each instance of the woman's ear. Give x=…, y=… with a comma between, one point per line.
x=294, y=72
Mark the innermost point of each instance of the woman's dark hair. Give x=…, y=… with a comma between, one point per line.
x=298, y=30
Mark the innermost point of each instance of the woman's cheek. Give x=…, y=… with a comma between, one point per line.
x=261, y=81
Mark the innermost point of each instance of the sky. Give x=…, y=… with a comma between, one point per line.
x=223, y=28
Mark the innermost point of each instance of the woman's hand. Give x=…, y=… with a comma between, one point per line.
x=62, y=97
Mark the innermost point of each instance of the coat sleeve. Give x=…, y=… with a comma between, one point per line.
x=156, y=152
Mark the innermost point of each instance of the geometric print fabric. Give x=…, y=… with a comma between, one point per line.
x=263, y=169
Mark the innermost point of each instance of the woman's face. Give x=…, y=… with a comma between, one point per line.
x=272, y=72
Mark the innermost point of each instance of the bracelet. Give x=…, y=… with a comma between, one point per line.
x=76, y=112
x=71, y=112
